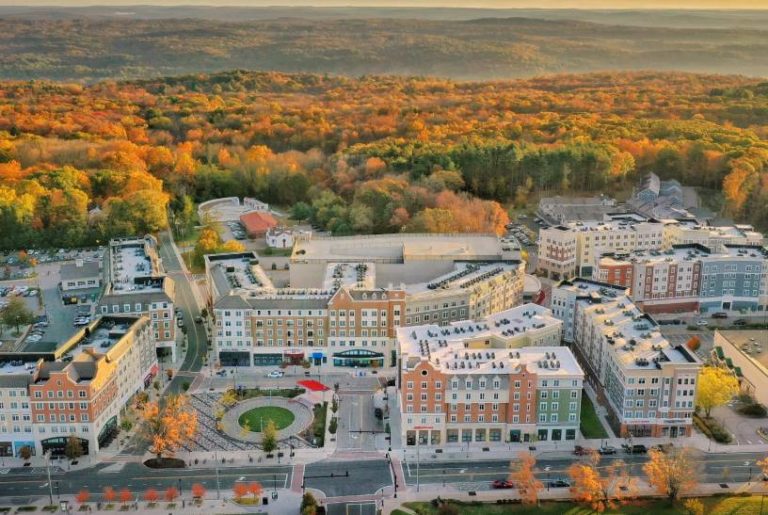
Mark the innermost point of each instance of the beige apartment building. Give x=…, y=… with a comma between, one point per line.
x=502, y=378
x=648, y=384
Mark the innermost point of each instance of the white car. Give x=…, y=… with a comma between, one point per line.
x=276, y=373
x=702, y=323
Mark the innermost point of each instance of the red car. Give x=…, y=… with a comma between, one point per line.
x=581, y=451
x=501, y=483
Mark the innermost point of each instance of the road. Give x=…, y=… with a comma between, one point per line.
x=138, y=478
x=356, y=414
x=477, y=475
x=364, y=476
x=197, y=345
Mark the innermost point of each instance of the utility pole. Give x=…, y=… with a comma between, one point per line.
x=48, y=469
x=218, y=486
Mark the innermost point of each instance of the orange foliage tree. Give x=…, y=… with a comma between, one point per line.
x=171, y=493
x=198, y=491
x=109, y=494
x=83, y=496
x=240, y=490
x=524, y=478
x=125, y=496
x=255, y=489
x=693, y=343
x=151, y=495
x=602, y=488
x=168, y=425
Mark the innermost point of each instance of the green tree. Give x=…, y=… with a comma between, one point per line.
x=16, y=314
x=73, y=448
x=301, y=211
x=269, y=437
x=308, y=504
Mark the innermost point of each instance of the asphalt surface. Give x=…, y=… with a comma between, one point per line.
x=138, y=478
x=478, y=475
x=356, y=415
x=352, y=477
x=197, y=346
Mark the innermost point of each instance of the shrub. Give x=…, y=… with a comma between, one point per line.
x=756, y=410
x=332, y=426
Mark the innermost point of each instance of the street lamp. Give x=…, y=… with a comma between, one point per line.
x=549, y=482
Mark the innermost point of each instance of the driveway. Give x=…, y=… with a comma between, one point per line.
x=743, y=429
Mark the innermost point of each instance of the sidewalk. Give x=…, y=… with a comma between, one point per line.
x=287, y=502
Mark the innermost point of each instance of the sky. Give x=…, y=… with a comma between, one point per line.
x=496, y=4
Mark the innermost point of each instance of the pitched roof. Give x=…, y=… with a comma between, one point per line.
x=257, y=221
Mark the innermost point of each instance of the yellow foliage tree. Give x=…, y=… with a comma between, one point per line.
x=168, y=425
x=603, y=488
x=524, y=478
x=671, y=473
x=716, y=387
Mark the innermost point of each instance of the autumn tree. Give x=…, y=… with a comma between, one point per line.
x=255, y=489
x=83, y=496
x=25, y=452
x=269, y=437
x=523, y=476
x=240, y=490
x=170, y=494
x=693, y=343
x=716, y=387
x=671, y=473
x=168, y=425
x=151, y=495
x=693, y=506
x=109, y=494
x=198, y=491
x=308, y=504
x=602, y=488
x=125, y=496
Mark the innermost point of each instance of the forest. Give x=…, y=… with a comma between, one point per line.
x=82, y=163
x=106, y=45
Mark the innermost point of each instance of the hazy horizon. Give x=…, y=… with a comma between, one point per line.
x=470, y=4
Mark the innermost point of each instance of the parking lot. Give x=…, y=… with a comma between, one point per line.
x=56, y=319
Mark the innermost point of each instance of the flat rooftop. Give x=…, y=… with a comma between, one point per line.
x=725, y=231
x=752, y=342
x=355, y=275
x=133, y=270
x=633, y=337
x=464, y=275
x=588, y=287
x=237, y=272
x=440, y=344
x=101, y=337
x=626, y=223
x=398, y=248
x=676, y=253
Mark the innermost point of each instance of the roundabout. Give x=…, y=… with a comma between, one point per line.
x=291, y=418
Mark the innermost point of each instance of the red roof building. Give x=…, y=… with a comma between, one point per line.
x=257, y=223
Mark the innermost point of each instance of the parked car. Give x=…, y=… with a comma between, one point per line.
x=276, y=373
x=608, y=449
x=740, y=322
x=378, y=413
x=198, y=319
x=559, y=483
x=702, y=323
x=502, y=483
x=664, y=447
x=581, y=451
x=180, y=322
x=635, y=449
x=720, y=314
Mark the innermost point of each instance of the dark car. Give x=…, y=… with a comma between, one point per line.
x=635, y=449
x=581, y=451
x=378, y=413
x=740, y=322
x=720, y=314
x=502, y=483
x=559, y=483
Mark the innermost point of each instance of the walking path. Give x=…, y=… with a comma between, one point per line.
x=231, y=426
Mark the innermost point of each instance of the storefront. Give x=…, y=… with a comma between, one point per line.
x=358, y=358
x=267, y=360
x=234, y=359
x=57, y=446
x=108, y=432
x=318, y=358
x=18, y=446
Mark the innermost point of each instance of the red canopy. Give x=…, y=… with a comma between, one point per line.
x=315, y=386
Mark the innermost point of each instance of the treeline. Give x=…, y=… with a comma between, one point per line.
x=92, y=47
x=79, y=164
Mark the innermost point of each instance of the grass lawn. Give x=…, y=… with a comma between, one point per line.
x=719, y=505
x=280, y=416
x=590, y=424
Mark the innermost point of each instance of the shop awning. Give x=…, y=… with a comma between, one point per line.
x=312, y=385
